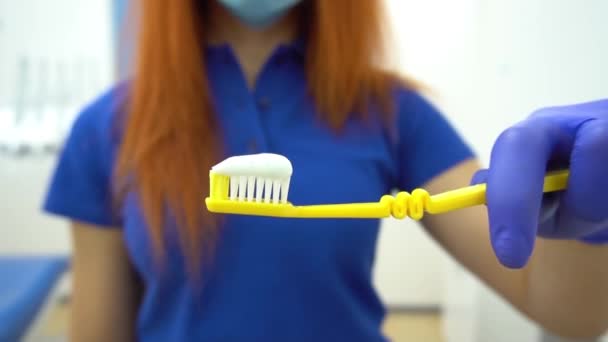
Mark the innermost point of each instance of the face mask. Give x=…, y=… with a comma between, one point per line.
x=259, y=13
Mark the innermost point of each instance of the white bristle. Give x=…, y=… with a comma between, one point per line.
x=259, y=189
x=276, y=190
x=250, y=188
x=267, y=190
x=242, y=187
x=284, y=190
x=234, y=186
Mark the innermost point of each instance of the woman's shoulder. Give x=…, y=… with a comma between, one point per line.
x=428, y=143
x=102, y=115
x=80, y=186
x=412, y=104
x=96, y=131
x=411, y=95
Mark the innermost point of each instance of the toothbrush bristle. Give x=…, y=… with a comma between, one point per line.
x=242, y=187
x=258, y=189
x=284, y=190
x=234, y=185
x=250, y=188
x=276, y=189
x=267, y=190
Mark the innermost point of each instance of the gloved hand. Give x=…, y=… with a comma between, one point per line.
x=574, y=137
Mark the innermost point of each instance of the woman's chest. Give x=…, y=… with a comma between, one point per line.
x=353, y=167
x=354, y=164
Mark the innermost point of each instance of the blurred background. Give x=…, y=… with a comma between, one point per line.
x=490, y=63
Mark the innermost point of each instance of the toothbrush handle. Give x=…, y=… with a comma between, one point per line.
x=353, y=210
x=476, y=194
x=457, y=199
x=413, y=205
x=556, y=181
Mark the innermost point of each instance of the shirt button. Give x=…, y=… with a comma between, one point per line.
x=264, y=103
x=252, y=146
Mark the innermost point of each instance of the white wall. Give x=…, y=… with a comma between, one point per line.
x=59, y=32
x=409, y=271
x=24, y=228
x=65, y=45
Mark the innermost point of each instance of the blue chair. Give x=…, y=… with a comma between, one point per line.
x=25, y=284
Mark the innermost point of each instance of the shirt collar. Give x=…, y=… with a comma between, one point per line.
x=298, y=46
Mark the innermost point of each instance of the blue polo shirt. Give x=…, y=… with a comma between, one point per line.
x=271, y=279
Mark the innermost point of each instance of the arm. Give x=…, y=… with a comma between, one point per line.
x=562, y=287
x=105, y=288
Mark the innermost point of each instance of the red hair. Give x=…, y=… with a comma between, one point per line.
x=171, y=136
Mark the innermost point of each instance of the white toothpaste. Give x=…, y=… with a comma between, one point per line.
x=258, y=165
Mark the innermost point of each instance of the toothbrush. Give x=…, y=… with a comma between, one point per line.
x=258, y=185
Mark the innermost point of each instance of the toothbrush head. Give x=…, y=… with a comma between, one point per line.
x=249, y=183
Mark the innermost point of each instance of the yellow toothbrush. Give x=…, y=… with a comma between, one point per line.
x=258, y=185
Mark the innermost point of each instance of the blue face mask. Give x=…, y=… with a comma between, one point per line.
x=259, y=13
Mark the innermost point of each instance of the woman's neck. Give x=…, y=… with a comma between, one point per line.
x=251, y=46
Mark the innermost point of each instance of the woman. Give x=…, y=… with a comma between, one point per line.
x=300, y=78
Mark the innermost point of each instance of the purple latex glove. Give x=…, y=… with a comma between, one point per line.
x=574, y=137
